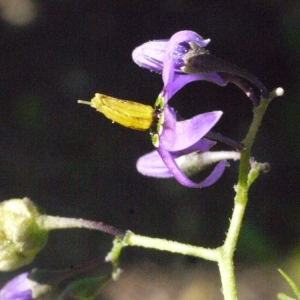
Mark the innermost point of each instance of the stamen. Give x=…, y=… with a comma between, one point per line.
x=127, y=113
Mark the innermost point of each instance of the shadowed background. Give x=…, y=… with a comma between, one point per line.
x=72, y=161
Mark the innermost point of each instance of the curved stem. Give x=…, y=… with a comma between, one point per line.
x=52, y=222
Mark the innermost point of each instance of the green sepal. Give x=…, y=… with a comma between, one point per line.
x=159, y=102
x=85, y=289
x=155, y=140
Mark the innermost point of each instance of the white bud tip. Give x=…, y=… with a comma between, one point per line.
x=279, y=91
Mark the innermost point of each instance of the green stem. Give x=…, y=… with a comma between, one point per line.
x=132, y=239
x=226, y=252
x=226, y=268
x=226, y=265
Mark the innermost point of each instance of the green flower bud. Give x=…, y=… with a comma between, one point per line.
x=21, y=238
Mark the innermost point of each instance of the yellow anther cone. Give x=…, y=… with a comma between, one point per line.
x=127, y=113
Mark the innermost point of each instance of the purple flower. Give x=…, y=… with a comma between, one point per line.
x=174, y=139
x=181, y=146
x=31, y=285
x=184, y=56
x=17, y=289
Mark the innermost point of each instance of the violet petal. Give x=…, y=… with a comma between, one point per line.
x=181, y=80
x=17, y=289
x=186, y=133
x=202, y=145
x=152, y=165
x=151, y=55
x=183, y=179
x=177, y=38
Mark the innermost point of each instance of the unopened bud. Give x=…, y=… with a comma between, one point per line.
x=20, y=236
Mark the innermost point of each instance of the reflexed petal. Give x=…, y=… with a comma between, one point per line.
x=190, y=164
x=183, y=179
x=152, y=165
x=151, y=55
x=181, y=80
x=166, y=56
x=181, y=55
x=186, y=133
x=201, y=146
x=189, y=36
x=195, y=162
x=176, y=39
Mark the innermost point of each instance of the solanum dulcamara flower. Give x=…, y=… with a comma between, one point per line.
x=175, y=139
x=181, y=146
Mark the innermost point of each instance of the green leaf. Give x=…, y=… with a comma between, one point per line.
x=282, y=296
x=85, y=289
x=291, y=283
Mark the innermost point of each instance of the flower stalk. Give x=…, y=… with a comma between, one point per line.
x=53, y=223
x=132, y=239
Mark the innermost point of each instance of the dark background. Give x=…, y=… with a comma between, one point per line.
x=72, y=161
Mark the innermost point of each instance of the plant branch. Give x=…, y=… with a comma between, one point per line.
x=132, y=239
x=225, y=261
